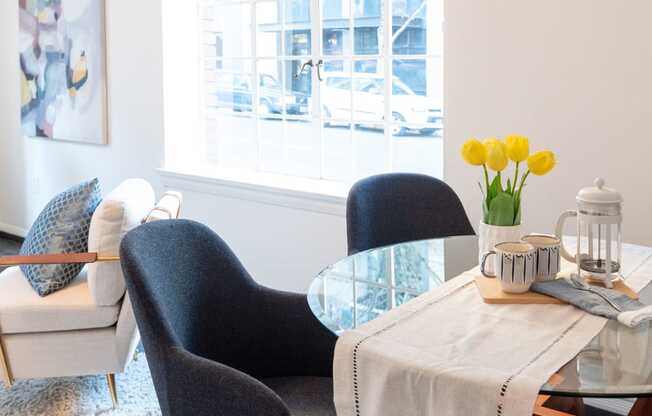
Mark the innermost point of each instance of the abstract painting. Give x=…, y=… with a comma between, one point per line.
x=63, y=69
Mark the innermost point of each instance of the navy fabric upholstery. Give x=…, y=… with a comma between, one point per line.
x=398, y=207
x=309, y=396
x=210, y=332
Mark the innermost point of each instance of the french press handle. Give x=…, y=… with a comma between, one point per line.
x=559, y=233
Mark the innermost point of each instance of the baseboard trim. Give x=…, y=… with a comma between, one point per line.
x=11, y=232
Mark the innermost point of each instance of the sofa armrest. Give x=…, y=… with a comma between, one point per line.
x=200, y=387
x=64, y=258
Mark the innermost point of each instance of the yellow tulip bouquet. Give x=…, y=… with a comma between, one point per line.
x=502, y=202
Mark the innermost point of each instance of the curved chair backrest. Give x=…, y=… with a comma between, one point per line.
x=172, y=269
x=398, y=207
x=204, y=321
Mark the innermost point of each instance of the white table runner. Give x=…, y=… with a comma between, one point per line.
x=447, y=353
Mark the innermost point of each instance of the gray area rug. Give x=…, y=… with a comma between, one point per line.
x=80, y=396
x=83, y=396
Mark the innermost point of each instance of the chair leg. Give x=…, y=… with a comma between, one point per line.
x=559, y=406
x=110, y=380
x=546, y=405
x=642, y=407
x=4, y=367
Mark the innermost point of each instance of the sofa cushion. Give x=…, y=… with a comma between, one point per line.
x=62, y=227
x=120, y=211
x=304, y=396
x=71, y=308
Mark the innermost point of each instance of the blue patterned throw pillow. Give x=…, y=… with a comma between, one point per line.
x=62, y=227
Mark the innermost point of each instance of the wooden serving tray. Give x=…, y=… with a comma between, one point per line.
x=492, y=293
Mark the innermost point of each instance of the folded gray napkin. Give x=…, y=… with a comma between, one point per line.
x=596, y=300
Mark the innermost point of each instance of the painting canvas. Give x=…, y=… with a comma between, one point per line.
x=62, y=69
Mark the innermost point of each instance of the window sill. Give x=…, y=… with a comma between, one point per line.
x=314, y=195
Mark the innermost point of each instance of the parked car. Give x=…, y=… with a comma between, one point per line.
x=233, y=90
x=363, y=93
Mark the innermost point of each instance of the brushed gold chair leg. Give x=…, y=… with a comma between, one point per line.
x=4, y=366
x=110, y=380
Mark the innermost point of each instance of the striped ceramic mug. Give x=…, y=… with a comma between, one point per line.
x=548, y=255
x=514, y=264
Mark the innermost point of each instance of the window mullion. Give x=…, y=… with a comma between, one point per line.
x=388, y=75
x=316, y=28
x=354, y=143
x=256, y=84
x=282, y=63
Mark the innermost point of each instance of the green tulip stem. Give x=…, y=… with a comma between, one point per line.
x=486, y=177
x=520, y=189
x=515, y=180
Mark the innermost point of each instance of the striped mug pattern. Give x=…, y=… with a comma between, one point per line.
x=548, y=255
x=514, y=265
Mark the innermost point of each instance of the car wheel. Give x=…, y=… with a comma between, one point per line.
x=264, y=109
x=326, y=116
x=398, y=130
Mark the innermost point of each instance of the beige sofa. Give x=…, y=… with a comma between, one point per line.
x=75, y=331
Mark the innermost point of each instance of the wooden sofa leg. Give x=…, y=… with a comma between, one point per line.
x=110, y=380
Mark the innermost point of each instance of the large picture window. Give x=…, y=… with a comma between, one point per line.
x=326, y=89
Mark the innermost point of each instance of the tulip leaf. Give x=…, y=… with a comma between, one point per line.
x=509, y=186
x=495, y=188
x=501, y=210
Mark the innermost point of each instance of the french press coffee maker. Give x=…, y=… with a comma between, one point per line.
x=598, y=252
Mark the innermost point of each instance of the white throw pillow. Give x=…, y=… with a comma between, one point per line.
x=120, y=211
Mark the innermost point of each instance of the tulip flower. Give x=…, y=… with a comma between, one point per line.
x=541, y=162
x=496, y=155
x=474, y=153
x=518, y=148
x=501, y=205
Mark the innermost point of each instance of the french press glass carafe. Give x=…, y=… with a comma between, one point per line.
x=599, y=233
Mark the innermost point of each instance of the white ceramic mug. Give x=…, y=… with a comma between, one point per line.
x=548, y=256
x=515, y=266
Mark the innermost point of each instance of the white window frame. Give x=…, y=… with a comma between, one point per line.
x=385, y=58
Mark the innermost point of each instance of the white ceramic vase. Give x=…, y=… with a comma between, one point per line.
x=490, y=235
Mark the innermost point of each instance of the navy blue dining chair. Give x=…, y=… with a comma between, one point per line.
x=398, y=207
x=218, y=343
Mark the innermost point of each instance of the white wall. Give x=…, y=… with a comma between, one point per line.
x=32, y=170
x=281, y=247
x=573, y=75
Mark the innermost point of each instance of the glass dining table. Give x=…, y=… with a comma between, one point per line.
x=617, y=363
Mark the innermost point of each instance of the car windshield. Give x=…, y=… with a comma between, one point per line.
x=399, y=88
x=339, y=83
x=268, y=81
x=369, y=85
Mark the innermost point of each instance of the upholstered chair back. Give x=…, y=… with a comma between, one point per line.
x=184, y=278
x=211, y=333
x=398, y=207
